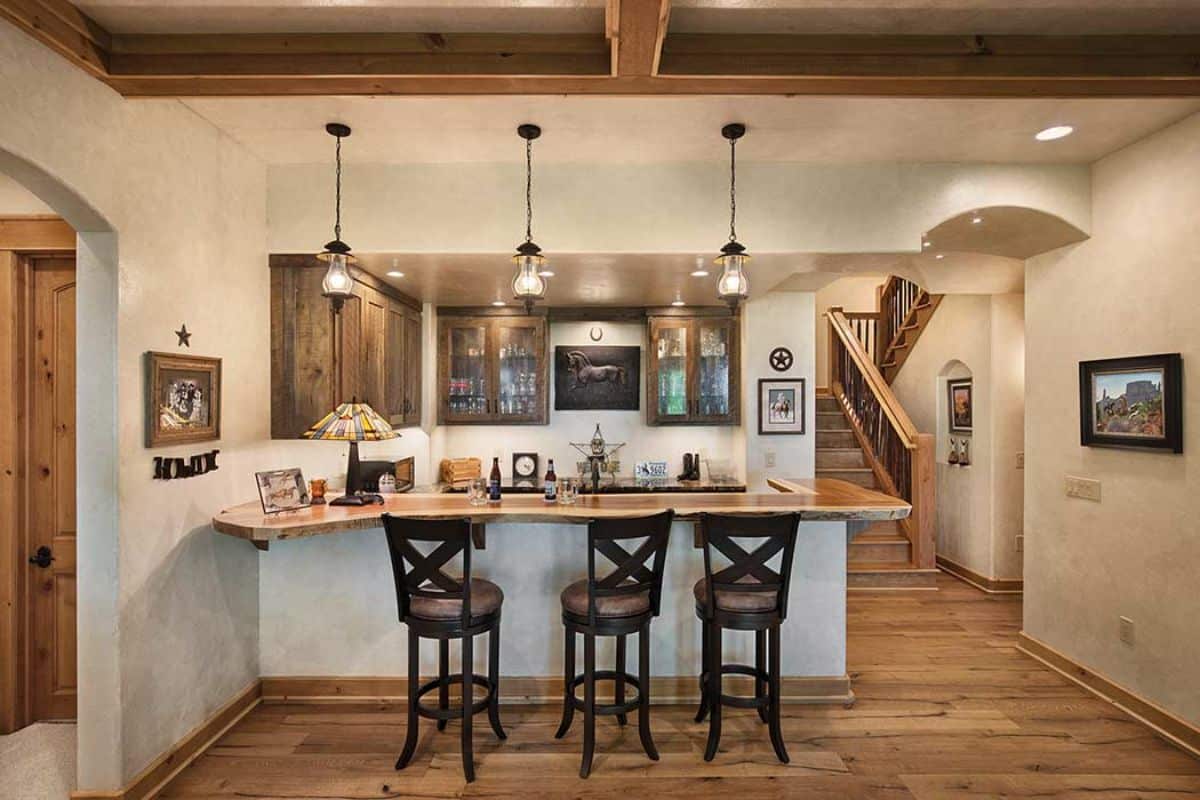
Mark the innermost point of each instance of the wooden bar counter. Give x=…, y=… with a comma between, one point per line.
x=815, y=499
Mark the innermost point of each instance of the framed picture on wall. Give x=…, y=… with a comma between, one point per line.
x=589, y=378
x=960, y=405
x=183, y=399
x=780, y=406
x=1132, y=402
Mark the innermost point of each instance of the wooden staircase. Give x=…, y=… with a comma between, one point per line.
x=881, y=557
x=904, y=311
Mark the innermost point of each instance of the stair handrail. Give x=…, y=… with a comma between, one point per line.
x=901, y=458
x=879, y=387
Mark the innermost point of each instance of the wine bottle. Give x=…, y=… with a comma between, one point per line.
x=551, y=484
x=494, y=482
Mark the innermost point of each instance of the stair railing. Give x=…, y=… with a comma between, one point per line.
x=867, y=330
x=901, y=458
x=896, y=299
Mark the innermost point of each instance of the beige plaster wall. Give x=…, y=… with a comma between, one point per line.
x=167, y=611
x=1131, y=289
x=978, y=506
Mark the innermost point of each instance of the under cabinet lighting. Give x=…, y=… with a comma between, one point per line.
x=1054, y=132
x=498, y=303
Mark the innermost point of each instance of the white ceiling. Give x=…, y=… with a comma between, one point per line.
x=643, y=130
x=687, y=16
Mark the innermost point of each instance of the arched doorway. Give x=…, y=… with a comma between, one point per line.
x=79, y=282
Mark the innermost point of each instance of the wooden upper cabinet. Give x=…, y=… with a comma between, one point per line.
x=370, y=350
x=492, y=370
x=693, y=370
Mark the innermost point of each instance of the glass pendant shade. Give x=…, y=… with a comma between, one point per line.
x=337, y=284
x=733, y=285
x=528, y=284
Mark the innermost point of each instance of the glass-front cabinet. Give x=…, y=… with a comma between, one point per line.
x=692, y=376
x=492, y=370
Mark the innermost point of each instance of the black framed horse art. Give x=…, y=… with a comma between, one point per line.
x=588, y=378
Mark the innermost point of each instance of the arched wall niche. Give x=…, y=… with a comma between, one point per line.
x=99, y=712
x=952, y=370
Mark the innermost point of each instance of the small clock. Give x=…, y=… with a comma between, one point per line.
x=525, y=468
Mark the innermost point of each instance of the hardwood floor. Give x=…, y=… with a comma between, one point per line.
x=947, y=708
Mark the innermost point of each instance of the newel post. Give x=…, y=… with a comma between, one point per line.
x=924, y=502
x=835, y=374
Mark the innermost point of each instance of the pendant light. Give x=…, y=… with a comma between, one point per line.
x=528, y=284
x=338, y=284
x=733, y=286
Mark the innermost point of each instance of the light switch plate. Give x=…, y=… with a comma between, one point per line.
x=769, y=458
x=1021, y=460
x=1021, y=543
x=1126, y=629
x=1083, y=488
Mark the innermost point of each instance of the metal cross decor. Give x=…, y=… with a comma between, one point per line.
x=781, y=359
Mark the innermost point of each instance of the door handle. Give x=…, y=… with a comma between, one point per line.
x=42, y=557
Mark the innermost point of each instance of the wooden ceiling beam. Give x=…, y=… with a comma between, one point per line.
x=63, y=28
x=641, y=28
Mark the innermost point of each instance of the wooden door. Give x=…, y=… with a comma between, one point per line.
x=51, y=490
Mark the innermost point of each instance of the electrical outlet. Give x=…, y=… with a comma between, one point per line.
x=1021, y=543
x=769, y=458
x=1020, y=461
x=1126, y=629
x=1083, y=488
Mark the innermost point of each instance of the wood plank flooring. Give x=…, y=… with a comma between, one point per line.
x=947, y=708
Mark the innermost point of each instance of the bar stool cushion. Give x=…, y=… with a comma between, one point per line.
x=736, y=601
x=575, y=600
x=486, y=598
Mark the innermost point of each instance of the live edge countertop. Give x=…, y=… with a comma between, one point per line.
x=820, y=499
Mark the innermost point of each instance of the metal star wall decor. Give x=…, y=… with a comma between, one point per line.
x=185, y=338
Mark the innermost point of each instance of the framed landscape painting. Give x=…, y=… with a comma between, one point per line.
x=183, y=399
x=961, y=405
x=1132, y=402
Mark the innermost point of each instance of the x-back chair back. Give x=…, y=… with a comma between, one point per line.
x=420, y=574
x=630, y=574
x=749, y=570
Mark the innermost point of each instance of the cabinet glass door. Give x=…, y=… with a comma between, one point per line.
x=519, y=374
x=671, y=368
x=713, y=370
x=467, y=382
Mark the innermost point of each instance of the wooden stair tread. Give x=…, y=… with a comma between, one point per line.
x=880, y=538
x=844, y=469
x=838, y=449
x=887, y=566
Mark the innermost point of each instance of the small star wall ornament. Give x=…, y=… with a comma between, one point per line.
x=185, y=338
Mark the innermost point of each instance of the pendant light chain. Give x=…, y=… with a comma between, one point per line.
x=732, y=190
x=529, y=190
x=337, y=225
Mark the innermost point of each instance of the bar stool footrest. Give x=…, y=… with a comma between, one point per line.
x=737, y=701
x=454, y=712
x=631, y=681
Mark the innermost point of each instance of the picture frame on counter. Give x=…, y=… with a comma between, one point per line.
x=282, y=490
x=781, y=403
x=183, y=399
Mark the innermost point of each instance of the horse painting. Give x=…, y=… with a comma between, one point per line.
x=587, y=378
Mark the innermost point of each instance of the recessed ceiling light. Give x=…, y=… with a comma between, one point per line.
x=699, y=273
x=927, y=244
x=1054, y=132
x=976, y=220
x=547, y=273
x=395, y=274
x=677, y=303
x=940, y=256
x=498, y=303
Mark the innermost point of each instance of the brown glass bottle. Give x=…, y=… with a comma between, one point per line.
x=494, y=482
x=551, y=484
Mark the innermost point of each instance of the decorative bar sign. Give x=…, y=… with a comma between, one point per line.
x=168, y=469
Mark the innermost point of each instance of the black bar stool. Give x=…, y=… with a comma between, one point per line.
x=617, y=604
x=436, y=605
x=745, y=595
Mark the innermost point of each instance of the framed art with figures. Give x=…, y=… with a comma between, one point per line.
x=1132, y=402
x=183, y=399
x=960, y=404
x=780, y=406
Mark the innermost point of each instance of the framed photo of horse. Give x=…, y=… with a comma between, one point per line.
x=183, y=399
x=588, y=378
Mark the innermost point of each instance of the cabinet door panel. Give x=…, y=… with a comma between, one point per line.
x=304, y=376
x=520, y=370
x=349, y=352
x=412, y=368
x=395, y=368
x=465, y=370
x=374, y=336
x=668, y=388
x=716, y=384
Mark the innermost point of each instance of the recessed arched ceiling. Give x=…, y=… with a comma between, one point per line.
x=1007, y=231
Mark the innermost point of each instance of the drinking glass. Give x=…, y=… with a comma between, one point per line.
x=568, y=490
x=477, y=492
